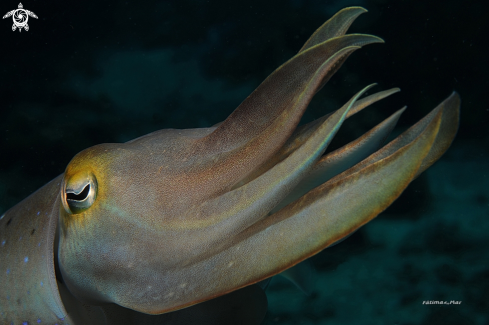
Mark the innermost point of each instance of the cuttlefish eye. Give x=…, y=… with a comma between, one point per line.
x=79, y=192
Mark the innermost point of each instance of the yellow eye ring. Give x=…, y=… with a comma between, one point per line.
x=79, y=192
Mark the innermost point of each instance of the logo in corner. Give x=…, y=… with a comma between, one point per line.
x=20, y=17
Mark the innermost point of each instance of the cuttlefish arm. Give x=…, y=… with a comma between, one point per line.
x=374, y=137
x=334, y=27
x=343, y=158
x=258, y=111
x=179, y=217
x=318, y=219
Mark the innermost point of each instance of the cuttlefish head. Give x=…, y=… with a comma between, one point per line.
x=177, y=217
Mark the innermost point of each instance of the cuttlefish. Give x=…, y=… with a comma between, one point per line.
x=184, y=224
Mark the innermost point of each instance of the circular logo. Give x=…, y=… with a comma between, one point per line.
x=20, y=17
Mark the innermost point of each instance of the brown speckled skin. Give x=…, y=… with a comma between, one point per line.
x=184, y=216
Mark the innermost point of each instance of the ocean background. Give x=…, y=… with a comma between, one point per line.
x=89, y=72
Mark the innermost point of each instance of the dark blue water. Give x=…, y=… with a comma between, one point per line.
x=90, y=72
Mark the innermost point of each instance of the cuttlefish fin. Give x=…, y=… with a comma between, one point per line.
x=334, y=27
x=302, y=133
x=343, y=158
x=246, y=306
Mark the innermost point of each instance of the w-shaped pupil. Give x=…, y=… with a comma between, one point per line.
x=79, y=197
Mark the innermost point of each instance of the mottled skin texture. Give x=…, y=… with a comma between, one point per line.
x=178, y=217
x=27, y=258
